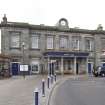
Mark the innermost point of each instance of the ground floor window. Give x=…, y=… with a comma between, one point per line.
x=35, y=66
x=69, y=65
x=57, y=64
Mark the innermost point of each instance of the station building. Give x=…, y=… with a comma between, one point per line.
x=52, y=49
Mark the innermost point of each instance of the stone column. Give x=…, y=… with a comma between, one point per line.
x=75, y=61
x=48, y=62
x=87, y=65
x=62, y=65
x=56, y=42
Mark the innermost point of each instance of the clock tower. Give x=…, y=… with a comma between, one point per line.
x=63, y=23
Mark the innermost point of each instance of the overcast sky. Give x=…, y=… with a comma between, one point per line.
x=86, y=14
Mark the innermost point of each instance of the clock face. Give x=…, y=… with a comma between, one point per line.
x=63, y=23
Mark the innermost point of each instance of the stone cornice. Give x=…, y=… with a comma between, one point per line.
x=50, y=28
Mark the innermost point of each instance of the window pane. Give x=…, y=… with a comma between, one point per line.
x=89, y=44
x=35, y=65
x=34, y=41
x=75, y=44
x=49, y=42
x=63, y=42
x=15, y=40
x=103, y=44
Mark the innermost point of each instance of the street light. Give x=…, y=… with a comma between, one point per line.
x=23, y=45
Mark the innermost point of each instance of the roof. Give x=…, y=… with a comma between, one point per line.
x=50, y=28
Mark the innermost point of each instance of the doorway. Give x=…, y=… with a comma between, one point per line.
x=15, y=68
x=77, y=68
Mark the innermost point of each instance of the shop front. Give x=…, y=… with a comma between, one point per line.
x=67, y=62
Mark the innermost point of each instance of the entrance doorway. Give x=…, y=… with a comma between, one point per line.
x=77, y=68
x=90, y=66
x=51, y=71
x=15, y=68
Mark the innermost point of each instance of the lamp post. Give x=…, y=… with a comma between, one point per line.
x=95, y=55
x=23, y=45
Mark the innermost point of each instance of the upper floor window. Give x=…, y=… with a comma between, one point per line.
x=35, y=41
x=63, y=42
x=75, y=44
x=88, y=45
x=50, y=42
x=103, y=44
x=15, y=40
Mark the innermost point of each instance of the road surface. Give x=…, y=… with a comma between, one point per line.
x=82, y=91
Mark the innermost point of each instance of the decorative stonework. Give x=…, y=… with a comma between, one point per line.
x=63, y=23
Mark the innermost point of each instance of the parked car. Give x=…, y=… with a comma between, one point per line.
x=100, y=71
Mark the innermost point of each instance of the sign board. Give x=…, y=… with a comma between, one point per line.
x=23, y=67
x=52, y=61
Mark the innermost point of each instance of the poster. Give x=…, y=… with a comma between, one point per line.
x=23, y=67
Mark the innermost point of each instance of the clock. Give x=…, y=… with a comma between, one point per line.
x=63, y=22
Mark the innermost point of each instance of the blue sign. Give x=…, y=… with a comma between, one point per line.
x=66, y=54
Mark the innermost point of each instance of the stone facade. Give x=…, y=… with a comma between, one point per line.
x=74, y=50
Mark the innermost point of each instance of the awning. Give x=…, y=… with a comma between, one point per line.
x=66, y=54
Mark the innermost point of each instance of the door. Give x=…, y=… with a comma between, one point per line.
x=51, y=69
x=15, y=68
x=77, y=68
x=90, y=67
x=104, y=64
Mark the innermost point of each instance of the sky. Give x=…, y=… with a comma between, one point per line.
x=86, y=14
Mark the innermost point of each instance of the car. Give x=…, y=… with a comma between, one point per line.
x=100, y=71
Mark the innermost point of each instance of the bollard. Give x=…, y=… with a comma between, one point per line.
x=36, y=95
x=48, y=82
x=55, y=77
x=51, y=79
x=43, y=88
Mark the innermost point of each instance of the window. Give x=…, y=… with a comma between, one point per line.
x=88, y=45
x=50, y=42
x=35, y=66
x=75, y=44
x=103, y=44
x=35, y=41
x=57, y=65
x=63, y=42
x=15, y=40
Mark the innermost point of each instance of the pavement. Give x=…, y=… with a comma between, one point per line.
x=19, y=91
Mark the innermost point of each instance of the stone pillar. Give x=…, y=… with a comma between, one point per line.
x=75, y=61
x=48, y=66
x=87, y=65
x=56, y=42
x=62, y=65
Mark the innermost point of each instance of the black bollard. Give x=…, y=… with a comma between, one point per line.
x=55, y=77
x=43, y=88
x=36, y=95
x=48, y=82
x=51, y=79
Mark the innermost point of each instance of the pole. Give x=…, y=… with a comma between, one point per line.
x=48, y=82
x=36, y=95
x=43, y=88
x=55, y=77
x=51, y=79
x=23, y=44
